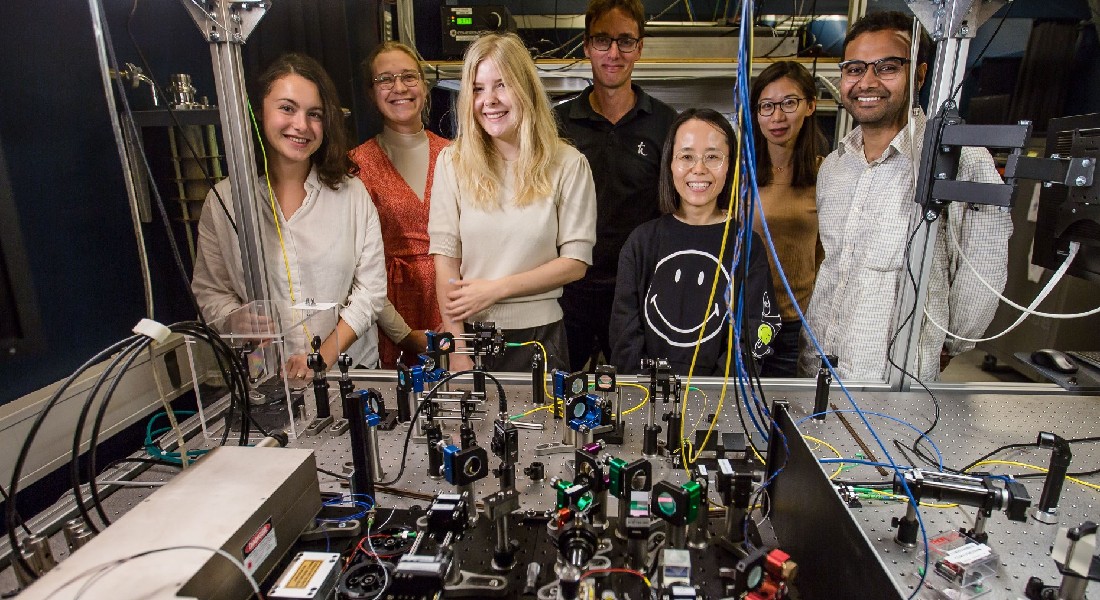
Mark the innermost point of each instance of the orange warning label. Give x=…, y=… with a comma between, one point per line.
x=302, y=576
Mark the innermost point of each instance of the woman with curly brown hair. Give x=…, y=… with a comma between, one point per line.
x=318, y=228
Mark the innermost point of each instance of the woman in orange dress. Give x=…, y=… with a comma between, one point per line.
x=397, y=168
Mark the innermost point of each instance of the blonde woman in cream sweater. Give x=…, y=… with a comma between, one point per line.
x=513, y=214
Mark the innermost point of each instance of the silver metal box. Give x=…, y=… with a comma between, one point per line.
x=250, y=502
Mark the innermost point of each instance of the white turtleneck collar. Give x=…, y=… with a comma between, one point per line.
x=409, y=154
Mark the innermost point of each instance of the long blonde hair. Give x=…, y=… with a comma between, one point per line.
x=476, y=159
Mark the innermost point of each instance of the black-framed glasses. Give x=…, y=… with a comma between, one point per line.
x=787, y=105
x=386, y=80
x=603, y=43
x=886, y=69
x=686, y=161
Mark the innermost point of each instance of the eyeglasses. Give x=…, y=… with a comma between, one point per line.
x=787, y=105
x=386, y=80
x=603, y=43
x=685, y=161
x=886, y=69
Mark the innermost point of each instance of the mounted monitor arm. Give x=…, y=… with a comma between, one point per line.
x=944, y=137
x=1070, y=171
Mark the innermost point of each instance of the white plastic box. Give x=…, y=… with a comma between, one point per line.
x=959, y=566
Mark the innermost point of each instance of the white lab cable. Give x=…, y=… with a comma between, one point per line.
x=561, y=47
x=955, y=243
x=1073, y=248
x=662, y=13
x=385, y=571
x=210, y=15
x=185, y=457
x=766, y=501
x=386, y=522
x=96, y=573
x=914, y=50
x=130, y=483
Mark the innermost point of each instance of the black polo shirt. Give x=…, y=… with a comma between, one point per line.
x=626, y=163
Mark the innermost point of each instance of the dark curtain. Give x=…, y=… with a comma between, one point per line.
x=1045, y=74
x=338, y=33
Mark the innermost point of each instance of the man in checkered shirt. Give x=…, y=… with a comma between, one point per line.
x=867, y=216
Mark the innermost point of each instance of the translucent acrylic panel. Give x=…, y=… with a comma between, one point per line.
x=265, y=336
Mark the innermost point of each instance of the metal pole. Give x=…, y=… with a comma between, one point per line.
x=951, y=24
x=362, y=478
x=844, y=122
x=226, y=26
x=906, y=348
x=128, y=172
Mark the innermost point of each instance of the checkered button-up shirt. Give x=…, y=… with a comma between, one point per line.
x=866, y=214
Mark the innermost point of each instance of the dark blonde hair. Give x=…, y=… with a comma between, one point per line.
x=668, y=199
x=331, y=158
x=810, y=142
x=366, y=68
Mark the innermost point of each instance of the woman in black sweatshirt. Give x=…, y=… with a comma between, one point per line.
x=683, y=277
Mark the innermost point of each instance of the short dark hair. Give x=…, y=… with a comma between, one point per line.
x=599, y=8
x=810, y=142
x=891, y=20
x=668, y=198
x=331, y=158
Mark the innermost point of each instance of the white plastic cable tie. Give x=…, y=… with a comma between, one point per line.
x=153, y=330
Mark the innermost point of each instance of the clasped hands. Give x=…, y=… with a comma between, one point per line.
x=471, y=296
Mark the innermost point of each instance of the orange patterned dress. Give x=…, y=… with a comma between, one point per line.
x=410, y=270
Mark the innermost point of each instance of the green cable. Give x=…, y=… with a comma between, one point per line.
x=151, y=447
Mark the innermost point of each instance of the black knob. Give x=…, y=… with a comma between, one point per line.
x=536, y=471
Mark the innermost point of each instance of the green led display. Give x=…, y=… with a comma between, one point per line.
x=465, y=20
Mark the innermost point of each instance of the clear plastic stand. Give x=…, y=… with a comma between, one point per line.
x=959, y=566
x=267, y=335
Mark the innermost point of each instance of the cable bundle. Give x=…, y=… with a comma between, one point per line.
x=742, y=211
x=125, y=353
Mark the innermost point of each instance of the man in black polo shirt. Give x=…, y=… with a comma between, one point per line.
x=621, y=130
